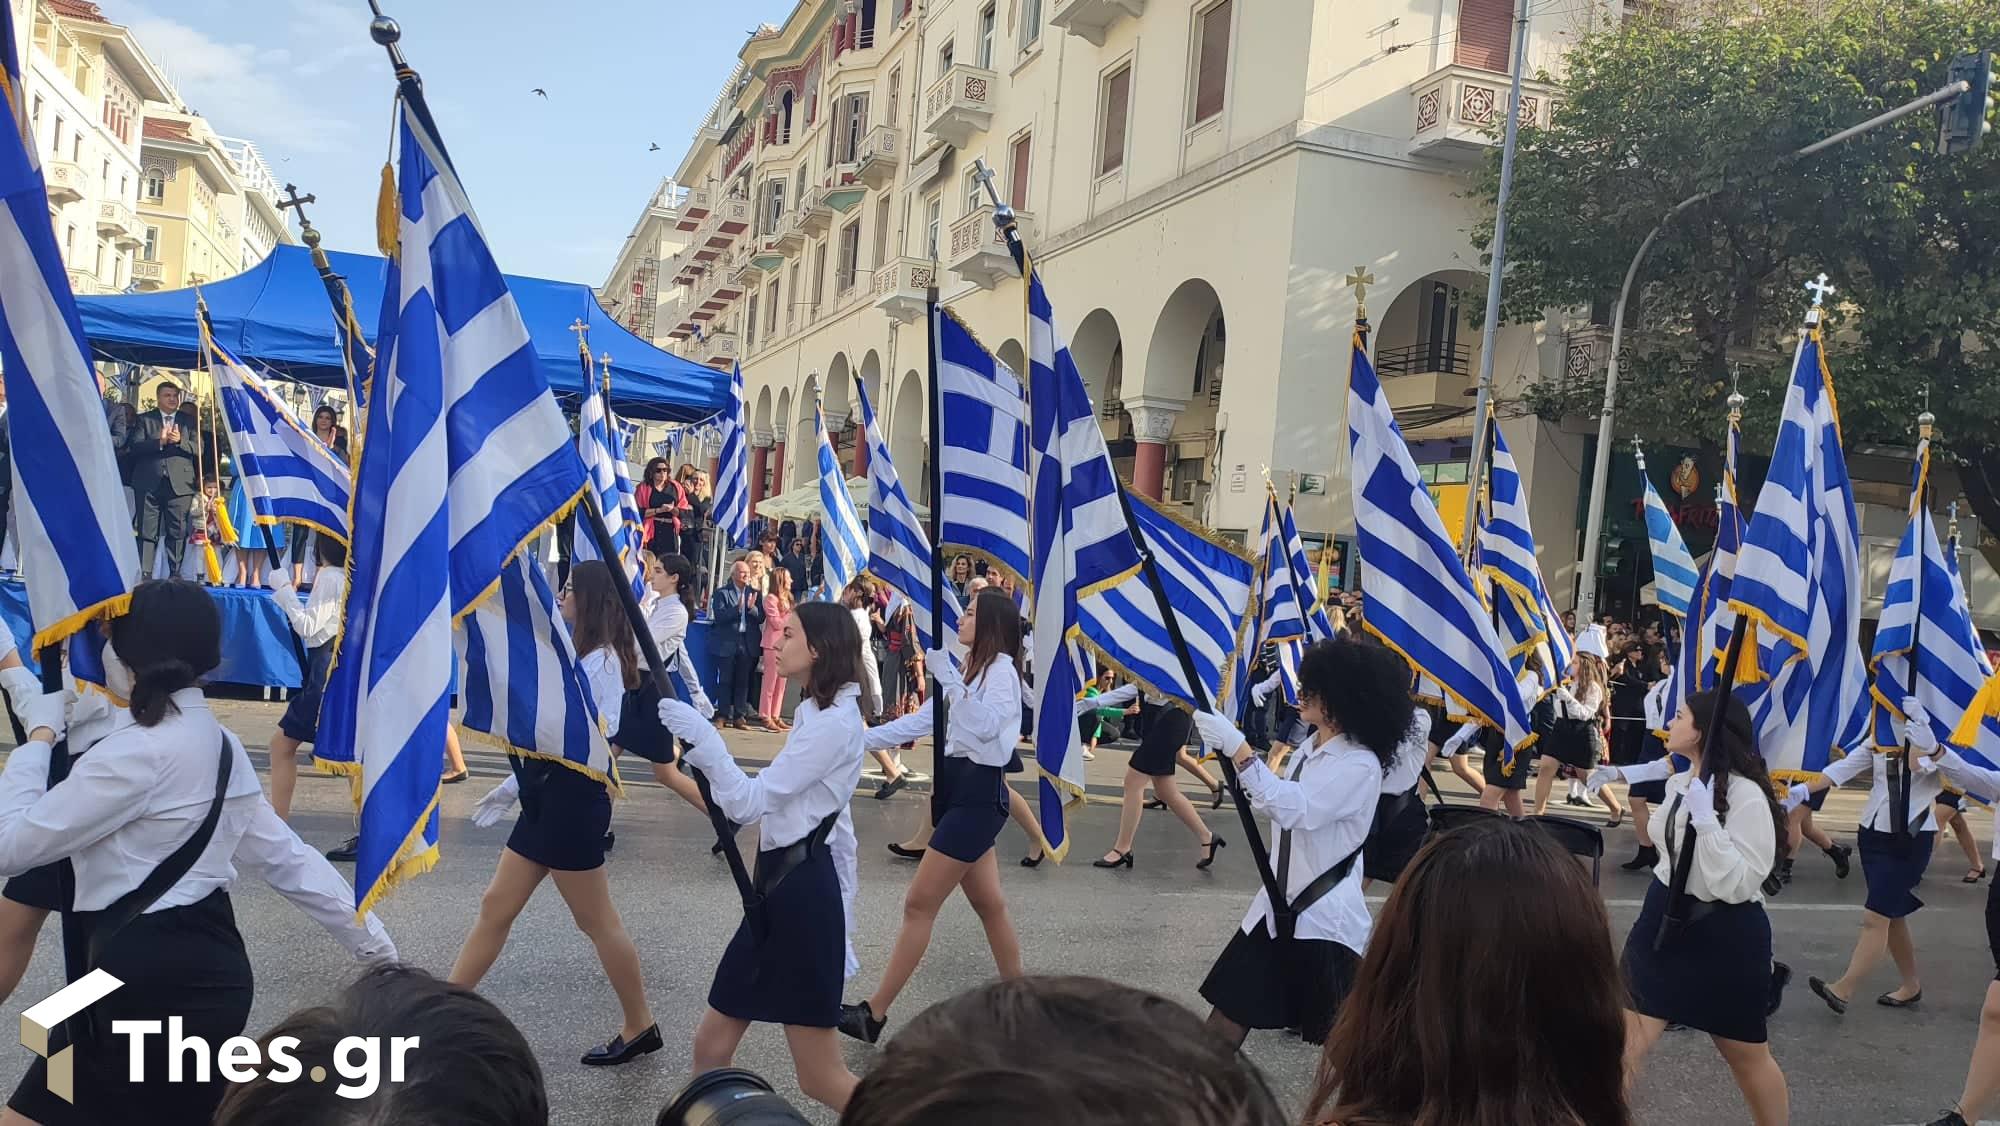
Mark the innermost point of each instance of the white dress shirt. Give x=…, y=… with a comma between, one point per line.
x=667, y=620
x=983, y=721
x=607, y=686
x=1119, y=697
x=140, y=794
x=1411, y=756
x=1730, y=864
x=1971, y=777
x=1924, y=789
x=814, y=774
x=318, y=621
x=1327, y=804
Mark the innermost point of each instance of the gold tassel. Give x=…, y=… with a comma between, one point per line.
x=223, y=523
x=1748, y=670
x=211, y=564
x=388, y=214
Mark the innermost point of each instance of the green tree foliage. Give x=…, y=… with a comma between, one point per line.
x=1713, y=97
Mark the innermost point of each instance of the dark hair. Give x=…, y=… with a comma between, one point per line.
x=996, y=632
x=170, y=639
x=656, y=464
x=600, y=619
x=682, y=569
x=470, y=1065
x=331, y=552
x=332, y=416
x=1363, y=688
x=1060, y=1049
x=1732, y=751
x=835, y=642
x=1490, y=994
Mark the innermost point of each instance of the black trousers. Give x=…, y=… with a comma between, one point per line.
x=162, y=513
x=733, y=679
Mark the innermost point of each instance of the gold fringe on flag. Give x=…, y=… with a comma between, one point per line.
x=388, y=214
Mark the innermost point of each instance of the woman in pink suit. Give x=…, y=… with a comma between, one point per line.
x=777, y=611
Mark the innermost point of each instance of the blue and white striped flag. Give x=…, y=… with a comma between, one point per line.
x=466, y=456
x=983, y=453
x=1082, y=545
x=1318, y=626
x=1707, y=620
x=597, y=446
x=290, y=476
x=732, y=471
x=1280, y=615
x=1507, y=555
x=899, y=553
x=1978, y=734
x=75, y=544
x=1674, y=574
x=1797, y=586
x=522, y=686
x=1421, y=601
x=1209, y=583
x=842, y=538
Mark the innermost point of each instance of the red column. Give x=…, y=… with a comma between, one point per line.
x=1149, y=468
x=860, y=453
x=1152, y=426
x=760, y=456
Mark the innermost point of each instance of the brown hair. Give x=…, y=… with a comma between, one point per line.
x=1590, y=670
x=170, y=639
x=600, y=618
x=781, y=586
x=996, y=632
x=1490, y=995
x=1060, y=1049
x=835, y=642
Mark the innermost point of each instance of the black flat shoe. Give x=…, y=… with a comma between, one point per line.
x=906, y=853
x=1781, y=976
x=892, y=787
x=619, y=1051
x=1950, y=1118
x=1839, y=854
x=1124, y=861
x=1217, y=803
x=1031, y=861
x=1821, y=991
x=1894, y=1002
x=1154, y=803
x=345, y=851
x=1773, y=886
x=1644, y=859
x=1213, y=844
x=454, y=779
x=610, y=841
x=860, y=1022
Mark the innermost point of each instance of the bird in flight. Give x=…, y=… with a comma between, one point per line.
x=655, y=147
x=540, y=92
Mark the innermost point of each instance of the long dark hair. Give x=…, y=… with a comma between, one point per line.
x=996, y=632
x=600, y=618
x=1732, y=751
x=1489, y=996
x=682, y=569
x=1363, y=688
x=835, y=642
x=170, y=639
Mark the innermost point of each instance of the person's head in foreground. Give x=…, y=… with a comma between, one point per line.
x=1490, y=995
x=469, y=1066
x=1060, y=1051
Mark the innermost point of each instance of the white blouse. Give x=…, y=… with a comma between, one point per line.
x=667, y=619
x=1924, y=790
x=607, y=686
x=983, y=719
x=1969, y=776
x=1729, y=866
x=1411, y=756
x=318, y=620
x=1328, y=805
x=139, y=794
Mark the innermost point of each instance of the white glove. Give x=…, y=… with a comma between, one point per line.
x=496, y=803
x=682, y=719
x=1798, y=795
x=1218, y=733
x=1918, y=728
x=281, y=581
x=1700, y=805
x=1465, y=734
x=938, y=663
x=47, y=709
x=21, y=686
x=1923, y=765
x=1602, y=777
x=1258, y=694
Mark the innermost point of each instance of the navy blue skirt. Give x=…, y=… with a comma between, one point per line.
x=793, y=972
x=968, y=808
x=1714, y=975
x=564, y=816
x=42, y=888
x=301, y=718
x=1892, y=867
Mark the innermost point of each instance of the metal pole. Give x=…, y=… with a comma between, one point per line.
x=936, y=474
x=1586, y=600
x=1482, y=408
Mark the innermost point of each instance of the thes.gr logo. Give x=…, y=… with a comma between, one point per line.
x=45, y=1015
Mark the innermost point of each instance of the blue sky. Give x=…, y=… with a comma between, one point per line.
x=558, y=183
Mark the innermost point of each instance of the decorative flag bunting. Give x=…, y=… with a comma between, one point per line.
x=899, y=553
x=982, y=454
x=290, y=476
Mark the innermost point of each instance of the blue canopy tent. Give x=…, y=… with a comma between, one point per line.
x=276, y=314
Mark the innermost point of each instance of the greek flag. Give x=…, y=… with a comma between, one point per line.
x=1797, y=585
x=1421, y=601
x=1209, y=583
x=1318, y=626
x=983, y=452
x=841, y=535
x=521, y=685
x=465, y=458
x=1674, y=574
x=1281, y=617
x=1707, y=620
x=898, y=551
x=1507, y=555
x=1082, y=545
x=732, y=471
x=289, y=475
x=597, y=446
x=75, y=543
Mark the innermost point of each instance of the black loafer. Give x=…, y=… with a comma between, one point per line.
x=892, y=787
x=1951, y=1118
x=906, y=853
x=1821, y=991
x=1781, y=976
x=861, y=1023
x=345, y=852
x=1892, y=1001
x=620, y=1051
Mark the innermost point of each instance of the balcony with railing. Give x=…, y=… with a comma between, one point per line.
x=1461, y=112
x=901, y=285
x=978, y=252
x=1091, y=19
x=696, y=208
x=149, y=275
x=1428, y=381
x=65, y=180
x=791, y=236
x=83, y=283
x=684, y=268
x=875, y=161
x=717, y=349
x=959, y=104
x=743, y=269
x=730, y=218
x=814, y=212
x=117, y=221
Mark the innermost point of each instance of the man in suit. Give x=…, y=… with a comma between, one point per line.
x=735, y=638
x=163, y=444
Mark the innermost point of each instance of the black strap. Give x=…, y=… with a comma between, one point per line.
x=107, y=923
x=1285, y=835
x=1326, y=881
x=1425, y=774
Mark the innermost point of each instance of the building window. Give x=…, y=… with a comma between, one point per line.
x=1116, y=106
x=102, y=251
x=819, y=276
x=1031, y=23
x=947, y=55
x=771, y=295
x=882, y=230
x=156, y=186
x=854, y=118
x=895, y=96
x=793, y=289
x=152, y=251
x=975, y=193
x=850, y=256
x=750, y=325
x=69, y=244
x=57, y=147
x=933, y=225
x=1020, y=156
x=785, y=119
x=35, y=115
x=1485, y=34
x=988, y=21
x=1211, y=57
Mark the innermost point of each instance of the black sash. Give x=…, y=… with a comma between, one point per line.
x=774, y=865
x=1322, y=884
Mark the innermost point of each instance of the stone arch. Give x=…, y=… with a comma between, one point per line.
x=804, y=452
x=906, y=437
x=1425, y=331
x=1181, y=364
x=781, y=429
x=839, y=387
x=1015, y=357
x=1099, y=352
x=760, y=415
x=871, y=379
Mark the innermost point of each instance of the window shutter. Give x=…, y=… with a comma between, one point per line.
x=1117, y=98
x=1485, y=28
x=1212, y=69
x=1018, y=163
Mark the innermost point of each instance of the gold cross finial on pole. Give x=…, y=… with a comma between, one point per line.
x=1359, y=281
x=582, y=331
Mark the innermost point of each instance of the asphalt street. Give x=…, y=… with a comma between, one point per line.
x=1157, y=926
